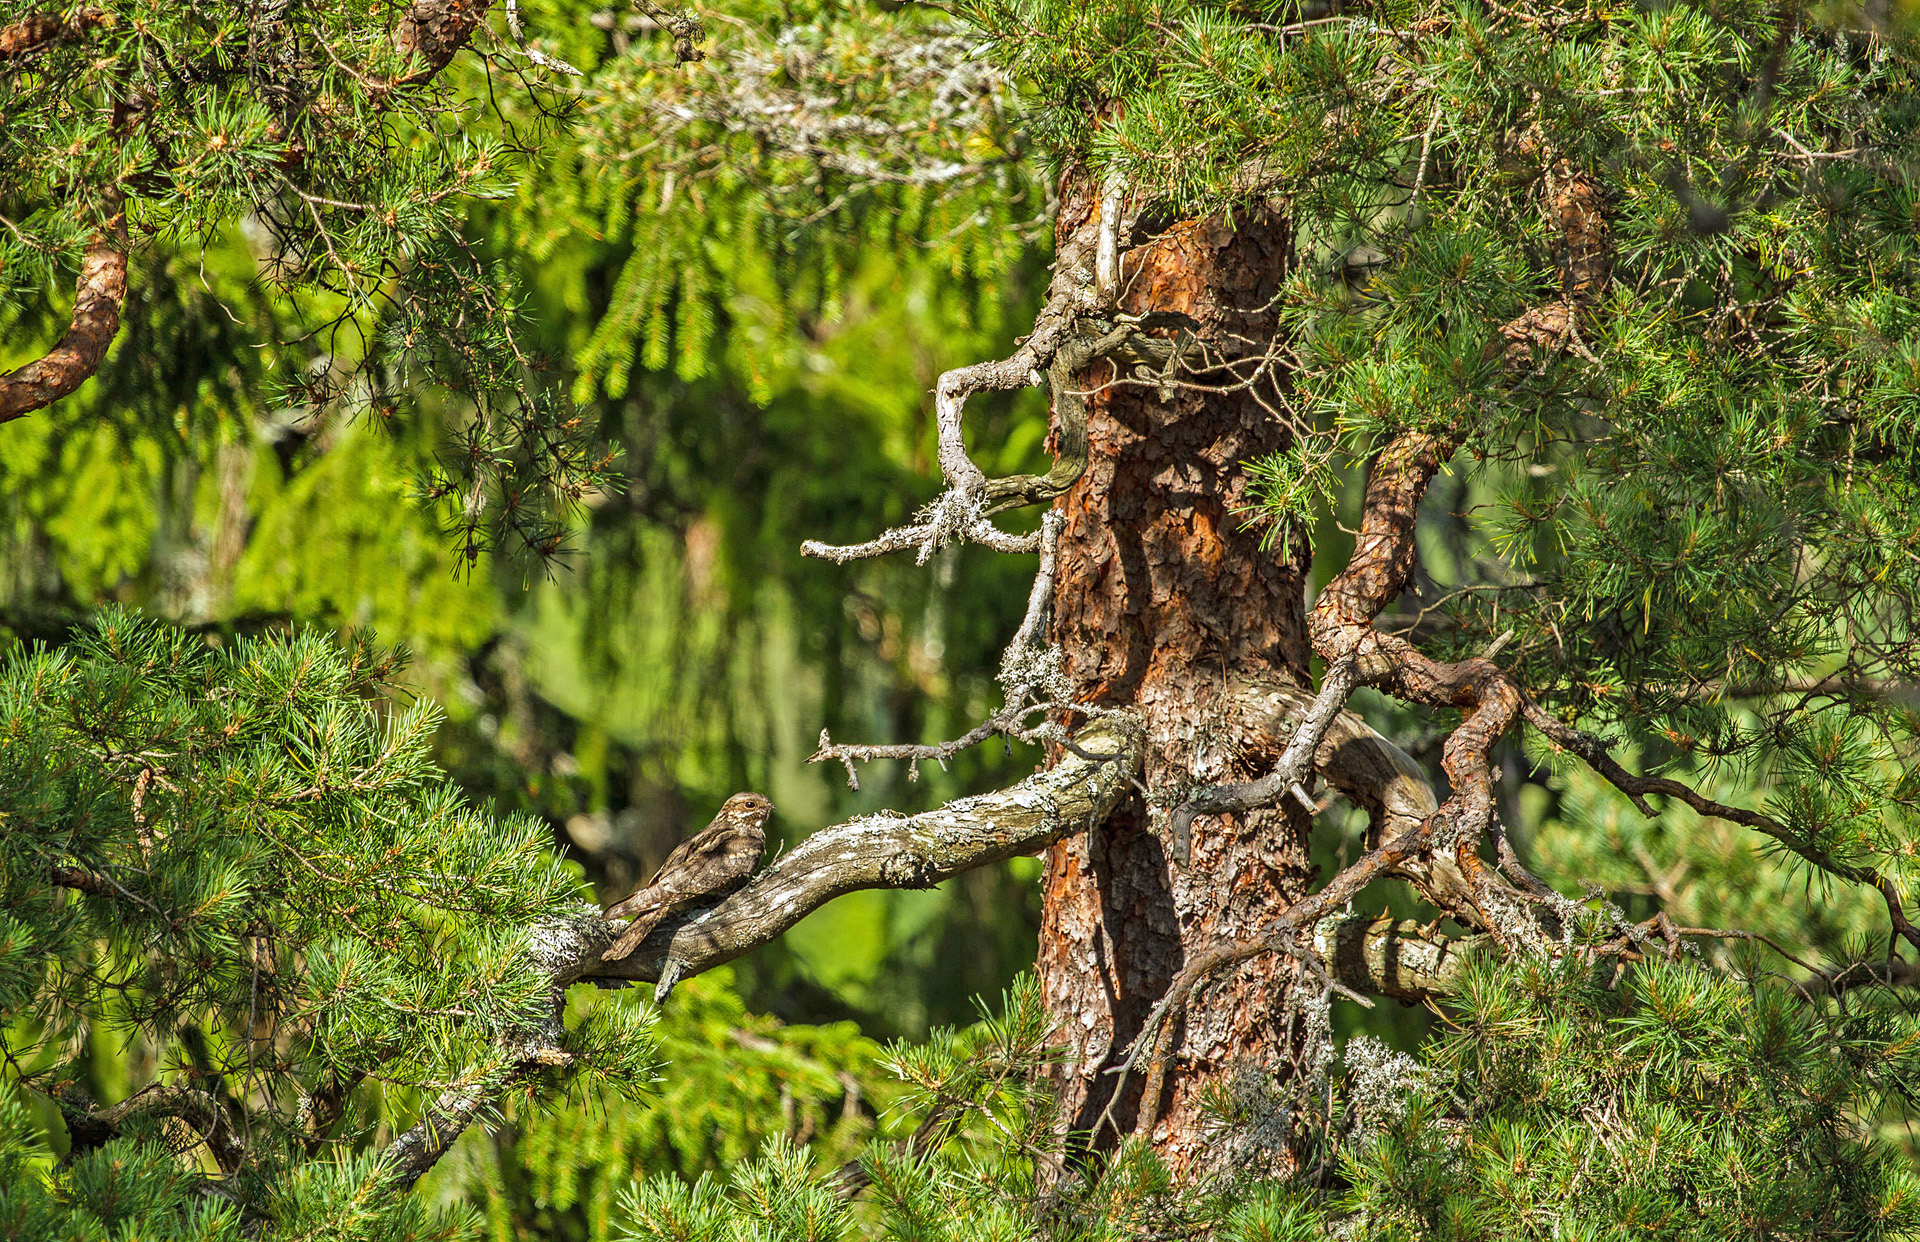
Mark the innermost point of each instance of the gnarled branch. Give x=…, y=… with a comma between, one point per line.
x=197, y=1112
x=877, y=851
x=882, y=851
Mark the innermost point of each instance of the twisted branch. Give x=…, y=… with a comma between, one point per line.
x=97, y=299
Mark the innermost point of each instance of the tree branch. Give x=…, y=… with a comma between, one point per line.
x=1396, y=958
x=196, y=1110
x=1287, y=774
x=883, y=851
x=878, y=851
x=36, y=30
x=97, y=299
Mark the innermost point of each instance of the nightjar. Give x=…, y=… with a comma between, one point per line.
x=711, y=863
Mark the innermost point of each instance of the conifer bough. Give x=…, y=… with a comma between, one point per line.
x=340, y=137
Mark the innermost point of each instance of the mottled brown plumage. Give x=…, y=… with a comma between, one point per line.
x=711, y=863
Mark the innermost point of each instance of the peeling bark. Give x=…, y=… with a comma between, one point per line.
x=96, y=320
x=1164, y=602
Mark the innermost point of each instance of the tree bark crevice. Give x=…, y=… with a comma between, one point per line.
x=1165, y=601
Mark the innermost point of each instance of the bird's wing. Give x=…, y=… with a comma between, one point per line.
x=636, y=932
x=742, y=858
x=653, y=893
x=709, y=863
x=700, y=842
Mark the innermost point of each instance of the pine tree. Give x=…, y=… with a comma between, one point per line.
x=244, y=861
x=1635, y=283
x=347, y=140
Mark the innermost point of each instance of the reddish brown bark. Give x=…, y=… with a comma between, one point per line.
x=1164, y=600
x=433, y=32
x=39, y=29
x=1166, y=604
x=1384, y=555
x=96, y=320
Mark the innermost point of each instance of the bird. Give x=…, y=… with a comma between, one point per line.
x=710, y=863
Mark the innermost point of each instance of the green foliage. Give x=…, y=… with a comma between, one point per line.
x=241, y=860
x=1679, y=1104
x=689, y=651
x=749, y=192
x=330, y=130
x=1699, y=872
x=983, y=1114
x=1564, y=1100
x=758, y=266
x=1694, y=511
x=733, y=1081
x=124, y=1190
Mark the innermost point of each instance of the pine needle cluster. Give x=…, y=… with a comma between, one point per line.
x=244, y=864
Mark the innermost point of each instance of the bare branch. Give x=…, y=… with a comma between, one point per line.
x=532, y=53
x=878, y=851
x=883, y=851
x=686, y=28
x=199, y=1114
x=1396, y=958
x=1029, y=674
x=1288, y=773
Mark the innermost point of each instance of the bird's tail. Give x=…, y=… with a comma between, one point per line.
x=636, y=932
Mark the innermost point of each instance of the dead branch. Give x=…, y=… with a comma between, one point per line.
x=1029, y=674
x=1396, y=958
x=527, y=49
x=202, y=1120
x=879, y=851
x=885, y=851
x=1288, y=772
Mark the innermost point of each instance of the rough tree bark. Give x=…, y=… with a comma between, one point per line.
x=1165, y=603
x=96, y=320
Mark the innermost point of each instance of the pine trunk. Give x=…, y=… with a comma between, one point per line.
x=1166, y=603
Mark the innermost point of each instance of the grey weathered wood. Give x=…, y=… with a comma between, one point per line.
x=876, y=851
x=1397, y=958
x=895, y=851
